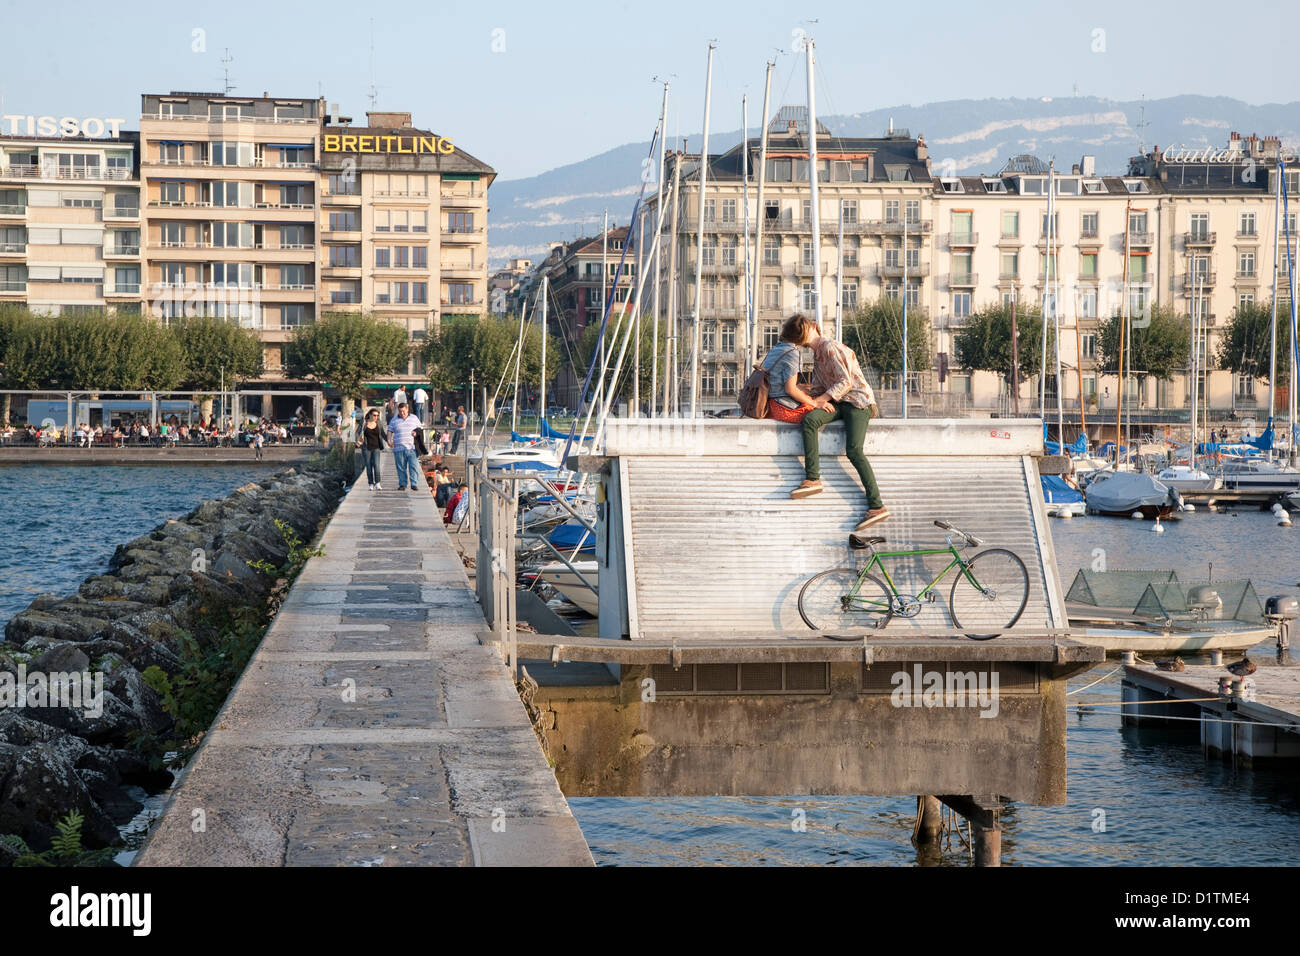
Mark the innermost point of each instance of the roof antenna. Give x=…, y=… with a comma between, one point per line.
x=226, y=60
x=1142, y=124
x=374, y=90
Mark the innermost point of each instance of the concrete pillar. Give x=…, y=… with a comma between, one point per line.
x=929, y=820
x=987, y=844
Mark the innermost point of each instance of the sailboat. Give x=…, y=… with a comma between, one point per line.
x=1187, y=477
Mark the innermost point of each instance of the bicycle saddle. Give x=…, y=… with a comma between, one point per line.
x=860, y=542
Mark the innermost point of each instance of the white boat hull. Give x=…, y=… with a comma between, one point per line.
x=570, y=587
x=1117, y=640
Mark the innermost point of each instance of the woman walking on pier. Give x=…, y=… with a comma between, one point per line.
x=372, y=442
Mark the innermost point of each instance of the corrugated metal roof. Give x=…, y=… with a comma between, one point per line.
x=718, y=546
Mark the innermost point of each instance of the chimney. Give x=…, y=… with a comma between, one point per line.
x=1088, y=165
x=922, y=151
x=388, y=120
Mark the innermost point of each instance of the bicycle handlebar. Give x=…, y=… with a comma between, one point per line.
x=970, y=538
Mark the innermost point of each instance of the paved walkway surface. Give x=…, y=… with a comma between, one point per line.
x=371, y=728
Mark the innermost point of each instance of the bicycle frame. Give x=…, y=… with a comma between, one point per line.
x=877, y=560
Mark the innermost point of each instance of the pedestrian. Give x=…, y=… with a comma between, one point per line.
x=258, y=440
x=461, y=423
x=840, y=393
x=401, y=433
x=399, y=396
x=372, y=443
x=421, y=399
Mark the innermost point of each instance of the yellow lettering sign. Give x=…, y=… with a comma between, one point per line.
x=348, y=143
x=445, y=145
x=346, y=140
x=331, y=142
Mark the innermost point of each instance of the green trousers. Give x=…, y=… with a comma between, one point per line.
x=855, y=432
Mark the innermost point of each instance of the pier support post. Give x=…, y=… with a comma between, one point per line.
x=985, y=826
x=929, y=820
x=988, y=844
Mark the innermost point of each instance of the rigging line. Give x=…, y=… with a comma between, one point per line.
x=1096, y=682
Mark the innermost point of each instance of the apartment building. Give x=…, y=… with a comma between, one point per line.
x=70, y=220
x=875, y=193
x=230, y=199
x=403, y=225
x=992, y=248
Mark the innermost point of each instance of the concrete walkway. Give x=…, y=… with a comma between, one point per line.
x=371, y=727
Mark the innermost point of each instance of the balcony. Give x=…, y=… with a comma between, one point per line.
x=1193, y=281
x=205, y=118
x=895, y=227
x=895, y=270
x=50, y=171
x=467, y=304
x=1090, y=239
x=692, y=224
x=450, y=197
x=13, y=248
x=1199, y=238
x=121, y=251
x=963, y=239
x=963, y=280
x=121, y=288
x=1251, y=235
x=12, y=287
x=1008, y=276
x=463, y=235
x=1009, y=240
x=120, y=213
x=720, y=269
x=12, y=209
x=1140, y=238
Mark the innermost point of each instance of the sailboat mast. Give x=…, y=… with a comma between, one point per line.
x=1295, y=346
x=1123, y=329
x=658, y=250
x=1272, y=337
x=604, y=292
x=671, y=373
x=1196, y=355
x=904, y=383
x=839, y=281
x=745, y=285
x=541, y=395
x=699, y=244
x=814, y=206
x=640, y=283
x=1047, y=280
x=759, y=211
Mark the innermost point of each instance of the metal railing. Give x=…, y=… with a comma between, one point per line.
x=13, y=209
x=8, y=285
x=13, y=247
x=47, y=171
x=1198, y=238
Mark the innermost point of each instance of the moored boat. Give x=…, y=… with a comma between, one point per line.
x=1124, y=493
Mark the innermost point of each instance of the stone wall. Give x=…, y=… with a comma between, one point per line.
x=183, y=578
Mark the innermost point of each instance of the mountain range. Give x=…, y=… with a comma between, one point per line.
x=968, y=137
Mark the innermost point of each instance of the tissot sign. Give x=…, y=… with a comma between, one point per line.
x=92, y=127
x=386, y=143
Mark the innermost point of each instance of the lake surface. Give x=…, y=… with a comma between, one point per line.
x=1164, y=802
x=59, y=525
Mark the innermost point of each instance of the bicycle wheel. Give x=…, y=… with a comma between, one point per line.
x=991, y=593
x=825, y=604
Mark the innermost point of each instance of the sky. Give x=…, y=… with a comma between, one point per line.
x=528, y=87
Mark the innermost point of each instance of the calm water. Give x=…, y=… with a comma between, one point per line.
x=1165, y=803
x=58, y=525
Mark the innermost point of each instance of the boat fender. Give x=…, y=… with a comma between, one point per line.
x=1136, y=515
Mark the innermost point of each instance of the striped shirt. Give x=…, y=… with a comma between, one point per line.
x=402, y=431
x=838, y=376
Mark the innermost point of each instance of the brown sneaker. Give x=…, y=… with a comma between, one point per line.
x=807, y=488
x=874, y=516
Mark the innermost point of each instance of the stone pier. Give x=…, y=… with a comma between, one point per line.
x=371, y=727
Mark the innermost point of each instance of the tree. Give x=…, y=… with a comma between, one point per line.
x=216, y=351
x=484, y=347
x=984, y=343
x=587, y=349
x=1244, y=348
x=347, y=349
x=13, y=319
x=1160, y=344
x=875, y=333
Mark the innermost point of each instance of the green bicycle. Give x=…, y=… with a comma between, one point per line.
x=989, y=593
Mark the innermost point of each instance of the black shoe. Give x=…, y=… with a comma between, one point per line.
x=401, y=487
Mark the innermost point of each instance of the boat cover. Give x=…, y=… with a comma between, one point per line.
x=1126, y=491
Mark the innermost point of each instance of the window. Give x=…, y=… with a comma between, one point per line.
x=172, y=234
x=1010, y=225
x=1137, y=268
x=232, y=274
x=1067, y=187
x=1246, y=224
x=1047, y=265
x=1245, y=387
x=230, y=154
x=728, y=338
x=232, y=194
x=344, y=221
x=1245, y=299
x=850, y=251
x=709, y=301
x=729, y=252
x=771, y=336
x=772, y=210
x=706, y=379
x=1055, y=224
x=344, y=184
x=382, y=257
x=913, y=294
x=1049, y=306
x=401, y=257
x=807, y=247
x=706, y=337
x=727, y=295
x=727, y=379
x=293, y=195
x=1088, y=265
x=420, y=293
x=173, y=273
x=771, y=295
x=1138, y=298
x=914, y=258
x=913, y=210
x=171, y=193
x=807, y=210
x=460, y=293
x=1088, y=345
x=1137, y=223
x=127, y=279
x=171, y=154
x=419, y=257
x=780, y=170
x=891, y=210
x=1089, y=225
x=1008, y=298
x=710, y=210
x=1088, y=303
x=849, y=296
x=893, y=257
x=961, y=267
x=293, y=237
x=1292, y=183
x=891, y=291
x=962, y=231
x=419, y=220
x=849, y=210
x=1010, y=268
x=961, y=305
x=346, y=257
x=808, y=295
x=232, y=235
x=1200, y=230
x=456, y=222
x=728, y=210
x=710, y=252
x=401, y=292
x=1246, y=264
x=292, y=316
x=771, y=252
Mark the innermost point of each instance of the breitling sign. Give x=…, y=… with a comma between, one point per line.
x=386, y=143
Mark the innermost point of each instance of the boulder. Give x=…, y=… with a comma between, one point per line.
x=40, y=788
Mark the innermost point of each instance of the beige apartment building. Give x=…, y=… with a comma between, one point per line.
x=876, y=192
x=403, y=225
x=70, y=221
x=230, y=190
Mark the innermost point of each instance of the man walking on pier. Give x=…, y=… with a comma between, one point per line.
x=462, y=422
x=401, y=434
x=842, y=393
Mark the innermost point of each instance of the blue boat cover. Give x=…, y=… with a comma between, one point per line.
x=549, y=432
x=566, y=537
x=1077, y=447
x=1057, y=491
